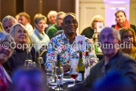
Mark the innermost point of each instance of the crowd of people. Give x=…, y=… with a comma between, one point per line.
x=20, y=42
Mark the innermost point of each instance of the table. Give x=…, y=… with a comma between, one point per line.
x=65, y=85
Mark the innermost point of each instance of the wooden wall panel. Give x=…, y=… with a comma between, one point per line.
x=49, y=5
x=8, y=7
x=13, y=7
x=32, y=7
x=19, y=6
x=68, y=5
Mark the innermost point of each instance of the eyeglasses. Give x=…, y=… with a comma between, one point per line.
x=125, y=37
x=69, y=22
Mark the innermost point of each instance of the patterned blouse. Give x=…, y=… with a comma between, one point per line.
x=60, y=44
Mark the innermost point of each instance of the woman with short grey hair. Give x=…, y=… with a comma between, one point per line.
x=40, y=39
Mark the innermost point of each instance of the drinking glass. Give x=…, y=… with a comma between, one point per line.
x=51, y=73
x=59, y=76
x=52, y=79
x=28, y=64
x=74, y=73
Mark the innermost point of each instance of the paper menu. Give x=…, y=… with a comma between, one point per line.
x=99, y=26
x=80, y=42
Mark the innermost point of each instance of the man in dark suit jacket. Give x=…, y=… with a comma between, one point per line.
x=113, y=60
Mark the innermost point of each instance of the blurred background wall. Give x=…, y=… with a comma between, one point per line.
x=13, y=7
x=84, y=9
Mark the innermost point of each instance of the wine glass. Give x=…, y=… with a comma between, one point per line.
x=53, y=69
x=59, y=76
x=74, y=73
x=28, y=63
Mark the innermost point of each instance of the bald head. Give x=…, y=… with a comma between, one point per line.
x=109, y=40
x=108, y=29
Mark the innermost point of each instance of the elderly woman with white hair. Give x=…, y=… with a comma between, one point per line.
x=92, y=32
x=89, y=31
x=5, y=52
x=23, y=48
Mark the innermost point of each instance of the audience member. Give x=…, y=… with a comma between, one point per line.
x=89, y=31
x=51, y=18
x=128, y=38
x=37, y=15
x=5, y=53
x=122, y=21
x=113, y=60
x=24, y=19
x=93, y=33
x=29, y=80
x=23, y=48
x=66, y=43
x=56, y=27
x=7, y=22
x=39, y=38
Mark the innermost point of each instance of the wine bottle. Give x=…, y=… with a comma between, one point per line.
x=81, y=67
x=40, y=62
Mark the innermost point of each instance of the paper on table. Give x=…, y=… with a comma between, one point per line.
x=99, y=26
x=80, y=42
x=79, y=77
x=67, y=80
x=70, y=85
x=74, y=62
